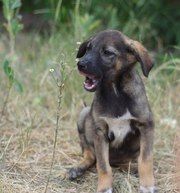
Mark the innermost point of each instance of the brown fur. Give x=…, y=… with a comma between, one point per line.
x=118, y=127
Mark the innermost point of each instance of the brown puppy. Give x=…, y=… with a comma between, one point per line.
x=118, y=126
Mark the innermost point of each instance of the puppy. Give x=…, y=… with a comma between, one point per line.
x=118, y=127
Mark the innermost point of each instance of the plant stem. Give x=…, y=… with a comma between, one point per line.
x=77, y=25
x=5, y=103
x=60, y=85
x=12, y=39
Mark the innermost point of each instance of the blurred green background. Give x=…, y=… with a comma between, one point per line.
x=154, y=22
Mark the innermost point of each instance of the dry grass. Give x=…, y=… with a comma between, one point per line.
x=177, y=161
x=28, y=128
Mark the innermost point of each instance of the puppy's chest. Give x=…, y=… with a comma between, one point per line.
x=118, y=127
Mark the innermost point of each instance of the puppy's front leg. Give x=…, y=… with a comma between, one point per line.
x=103, y=167
x=145, y=160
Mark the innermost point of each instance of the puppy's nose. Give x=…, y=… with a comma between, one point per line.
x=82, y=66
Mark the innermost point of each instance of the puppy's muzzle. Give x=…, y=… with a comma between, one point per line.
x=92, y=80
x=82, y=65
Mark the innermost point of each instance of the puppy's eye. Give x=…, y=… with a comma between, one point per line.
x=108, y=53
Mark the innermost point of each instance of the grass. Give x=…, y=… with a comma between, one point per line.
x=28, y=127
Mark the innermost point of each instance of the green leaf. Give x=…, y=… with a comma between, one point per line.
x=16, y=26
x=16, y=4
x=7, y=11
x=9, y=7
x=9, y=72
x=18, y=86
x=7, y=69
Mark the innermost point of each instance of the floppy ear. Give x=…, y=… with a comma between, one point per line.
x=82, y=49
x=141, y=55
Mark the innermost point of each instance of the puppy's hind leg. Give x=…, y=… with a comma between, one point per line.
x=77, y=171
x=88, y=154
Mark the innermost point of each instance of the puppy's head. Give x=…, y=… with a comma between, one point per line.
x=106, y=55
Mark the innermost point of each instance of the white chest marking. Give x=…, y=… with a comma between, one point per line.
x=120, y=126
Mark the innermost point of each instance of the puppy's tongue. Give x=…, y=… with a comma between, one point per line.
x=90, y=83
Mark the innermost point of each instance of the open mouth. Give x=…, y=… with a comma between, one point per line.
x=91, y=82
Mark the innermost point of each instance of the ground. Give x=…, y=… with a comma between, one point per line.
x=177, y=161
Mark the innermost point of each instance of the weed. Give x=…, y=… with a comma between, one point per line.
x=13, y=26
x=60, y=77
x=24, y=138
x=9, y=72
x=10, y=12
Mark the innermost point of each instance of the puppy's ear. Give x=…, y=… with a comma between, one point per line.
x=82, y=49
x=141, y=55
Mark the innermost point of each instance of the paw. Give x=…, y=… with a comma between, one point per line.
x=150, y=189
x=109, y=190
x=74, y=173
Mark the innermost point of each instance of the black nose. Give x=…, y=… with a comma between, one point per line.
x=82, y=66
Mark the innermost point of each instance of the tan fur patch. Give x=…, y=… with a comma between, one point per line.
x=88, y=160
x=145, y=168
x=104, y=180
x=118, y=66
